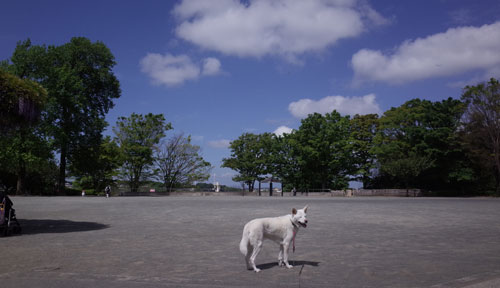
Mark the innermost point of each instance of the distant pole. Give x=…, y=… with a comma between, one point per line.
x=271, y=187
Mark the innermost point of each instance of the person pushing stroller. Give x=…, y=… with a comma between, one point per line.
x=8, y=220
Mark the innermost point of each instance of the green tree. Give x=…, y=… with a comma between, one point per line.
x=24, y=153
x=363, y=131
x=136, y=136
x=482, y=128
x=249, y=157
x=417, y=144
x=99, y=164
x=81, y=87
x=324, y=153
x=283, y=161
x=179, y=162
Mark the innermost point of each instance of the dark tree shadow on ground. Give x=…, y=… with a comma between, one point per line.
x=295, y=264
x=42, y=226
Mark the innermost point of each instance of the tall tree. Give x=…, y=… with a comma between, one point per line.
x=24, y=153
x=249, y=157
x=325, y=155
x=417, y=144
x=363, y=131
x=99, y=164
x=137, y=135
x=81, y=87
x=482, y=125
x=283, y=160
x=179, y=162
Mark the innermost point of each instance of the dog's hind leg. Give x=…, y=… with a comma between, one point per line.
x=247, y=257
x=280, y=256
x=257, y=246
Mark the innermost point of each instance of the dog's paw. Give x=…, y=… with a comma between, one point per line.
x=257, y=270
x=289, y=266
x=281, y=263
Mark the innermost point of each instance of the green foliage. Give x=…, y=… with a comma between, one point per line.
x=27, y=155
x=98, y=164
x=317, y=155
x=249, y=157
x=136, y=136
x=81, y=87
x=22, y=149
x=417, y=143
x=363, y=131
x=283, y=161
x=323, y=151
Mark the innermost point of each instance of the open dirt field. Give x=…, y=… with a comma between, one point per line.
x=193, y=242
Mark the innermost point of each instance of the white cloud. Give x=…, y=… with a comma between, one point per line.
x=256, y=28
x=282, y=130
x=453, y=52
x=344, y=105
x=222, y=143
x=211, y=66
x=173, y=70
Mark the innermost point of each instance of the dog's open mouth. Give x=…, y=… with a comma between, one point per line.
x=303, y=224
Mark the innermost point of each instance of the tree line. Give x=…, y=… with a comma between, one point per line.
x=54, y=100
x=449, y=147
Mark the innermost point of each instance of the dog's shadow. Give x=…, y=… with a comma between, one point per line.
x=293, y=263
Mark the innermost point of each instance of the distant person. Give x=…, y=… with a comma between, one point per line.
x=108, y=191
x=83, y=193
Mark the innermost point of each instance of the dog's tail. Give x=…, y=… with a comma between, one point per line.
x=244, y=242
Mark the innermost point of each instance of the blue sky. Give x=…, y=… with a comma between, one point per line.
x=217, y=69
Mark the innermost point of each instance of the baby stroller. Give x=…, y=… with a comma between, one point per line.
x=8, y=220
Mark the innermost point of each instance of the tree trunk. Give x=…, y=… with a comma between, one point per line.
x=62, y=170
x=21, y=171
x=21, y=175
x=251, y=186
x=497, y=176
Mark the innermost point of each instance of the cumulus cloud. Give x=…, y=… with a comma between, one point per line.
x=222, y=143
x=257, y=28
x=282, y=130
x=211, y=66
x=173, y=70
x=453, y=52
x=344, y=105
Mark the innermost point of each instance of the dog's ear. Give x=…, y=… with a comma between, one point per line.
x=294, y=211
x=305, y=208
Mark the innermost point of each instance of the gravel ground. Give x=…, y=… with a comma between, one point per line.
x=193, y=242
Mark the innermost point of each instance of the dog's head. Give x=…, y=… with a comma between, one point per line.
x=299, y=217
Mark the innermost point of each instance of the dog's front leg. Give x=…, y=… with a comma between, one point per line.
x=280, y=256
x=285, y=255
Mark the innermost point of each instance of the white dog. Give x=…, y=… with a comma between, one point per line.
x=281, y=230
